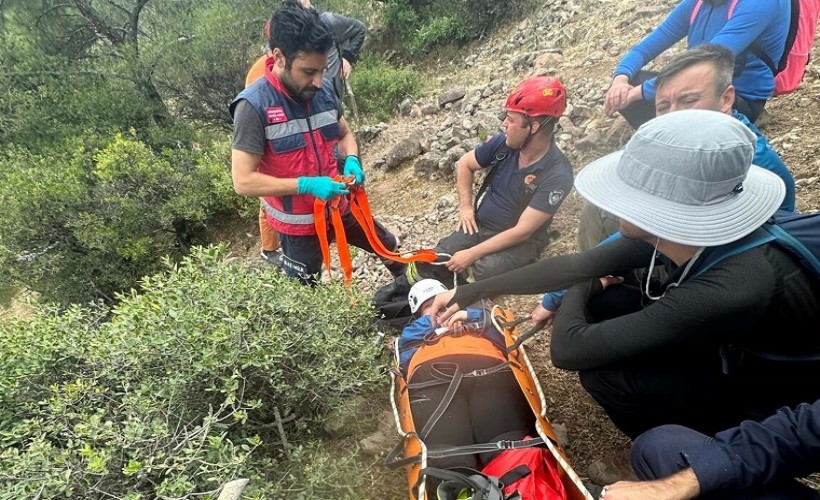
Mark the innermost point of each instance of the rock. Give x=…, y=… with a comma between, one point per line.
x=521, y=61
x=589, y=141
x=805, y=102
x=405, y=150
x=496, y=85
x=548, y=60
x=367, y=133
x=595, y=56
x=471, y=143
x=611, y=470
x=342, y=421
x=446, y=166
x=566, y=125
x=618, y=130
x=581, y=112
x=376, y=444
x=561, y=434
x=406, y=107
x=486, y=123
x=450, y=96
x=426, y=163
x=455, y=153
x=446, y=202
x=429, y=109
x=650, y=11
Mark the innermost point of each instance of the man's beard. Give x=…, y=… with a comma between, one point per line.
x=305, y=93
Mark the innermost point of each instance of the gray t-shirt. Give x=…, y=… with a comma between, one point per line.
x=248, y=131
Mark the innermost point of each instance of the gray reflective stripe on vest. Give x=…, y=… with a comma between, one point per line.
x=285, y=217
x=324, y=119
x=300, y=126
x=286, y=129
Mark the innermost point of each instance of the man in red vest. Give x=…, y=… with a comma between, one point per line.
x=286, y=126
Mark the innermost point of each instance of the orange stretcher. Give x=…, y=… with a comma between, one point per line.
x=505, y=322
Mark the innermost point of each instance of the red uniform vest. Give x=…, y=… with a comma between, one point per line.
x=299, y=141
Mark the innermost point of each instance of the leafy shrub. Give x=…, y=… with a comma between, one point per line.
x=380, y=86
x=89, y=219
x=417, y=25
x=172, y=392
x=438, y=31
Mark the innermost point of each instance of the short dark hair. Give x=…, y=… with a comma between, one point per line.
x=294, y=29
x=719, y=56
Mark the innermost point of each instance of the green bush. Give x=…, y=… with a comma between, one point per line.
x=91, y=217
x=414, y=26
x=380, y=86
x=172, y=392
x=438, y=31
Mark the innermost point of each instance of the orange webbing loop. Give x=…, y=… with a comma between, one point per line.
x=360, y=208
x=320, y=208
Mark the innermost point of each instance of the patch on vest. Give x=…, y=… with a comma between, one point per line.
x=529, y=179
x=556, y=197
x=276, y=114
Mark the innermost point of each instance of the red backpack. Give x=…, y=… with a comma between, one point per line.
x=531, y=473
x=788, y=73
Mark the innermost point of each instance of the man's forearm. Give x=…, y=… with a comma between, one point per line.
x=464, y=185
x=680, y=486
x=501, y=241
x=684, y=484
x=348, y=146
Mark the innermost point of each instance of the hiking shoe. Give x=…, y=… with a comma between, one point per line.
x=272, y=257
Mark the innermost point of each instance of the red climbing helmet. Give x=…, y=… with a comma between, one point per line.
x=538, y=96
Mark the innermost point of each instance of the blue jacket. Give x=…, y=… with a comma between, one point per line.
x=768, y=158
x=762, y=22
x=783, y=446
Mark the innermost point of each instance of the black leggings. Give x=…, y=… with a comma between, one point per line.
x=485, y=409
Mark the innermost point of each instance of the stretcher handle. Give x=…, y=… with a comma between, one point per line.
x=526, y=335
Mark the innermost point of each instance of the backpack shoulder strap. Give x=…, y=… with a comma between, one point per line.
x=713, y=255
x=799, y=235
x=500, y=155
x=695, y=12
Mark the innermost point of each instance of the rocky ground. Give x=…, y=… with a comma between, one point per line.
x=410, y=159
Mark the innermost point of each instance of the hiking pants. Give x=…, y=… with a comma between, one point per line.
x=485, y=409
x=641, y=111
x=594, y=226
x=687, y=385
x=658, y=453
x=267, y=234
x=485, y=267
x=305, y=250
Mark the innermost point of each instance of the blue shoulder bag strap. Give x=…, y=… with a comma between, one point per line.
x=713, y=255
x=799, y=234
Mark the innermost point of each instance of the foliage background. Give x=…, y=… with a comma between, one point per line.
x=150, y=364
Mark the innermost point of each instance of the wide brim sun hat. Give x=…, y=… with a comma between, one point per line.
x=686, y=177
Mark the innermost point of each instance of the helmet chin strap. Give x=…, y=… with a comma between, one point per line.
x=542, y=123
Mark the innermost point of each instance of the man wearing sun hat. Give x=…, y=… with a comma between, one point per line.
x=684, y=352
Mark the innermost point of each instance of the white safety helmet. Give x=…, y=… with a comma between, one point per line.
x=422, y=291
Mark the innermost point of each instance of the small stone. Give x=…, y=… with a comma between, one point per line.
x=451, y=96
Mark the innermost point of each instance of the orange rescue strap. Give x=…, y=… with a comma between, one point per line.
x=360, y=208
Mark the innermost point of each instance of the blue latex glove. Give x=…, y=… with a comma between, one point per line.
x=354, y=167
x=323, y=188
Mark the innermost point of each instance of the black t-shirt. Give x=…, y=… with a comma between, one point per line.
x=499, y=209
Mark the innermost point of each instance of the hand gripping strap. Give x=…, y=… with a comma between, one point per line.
x=320, y=209
x=360, y=208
